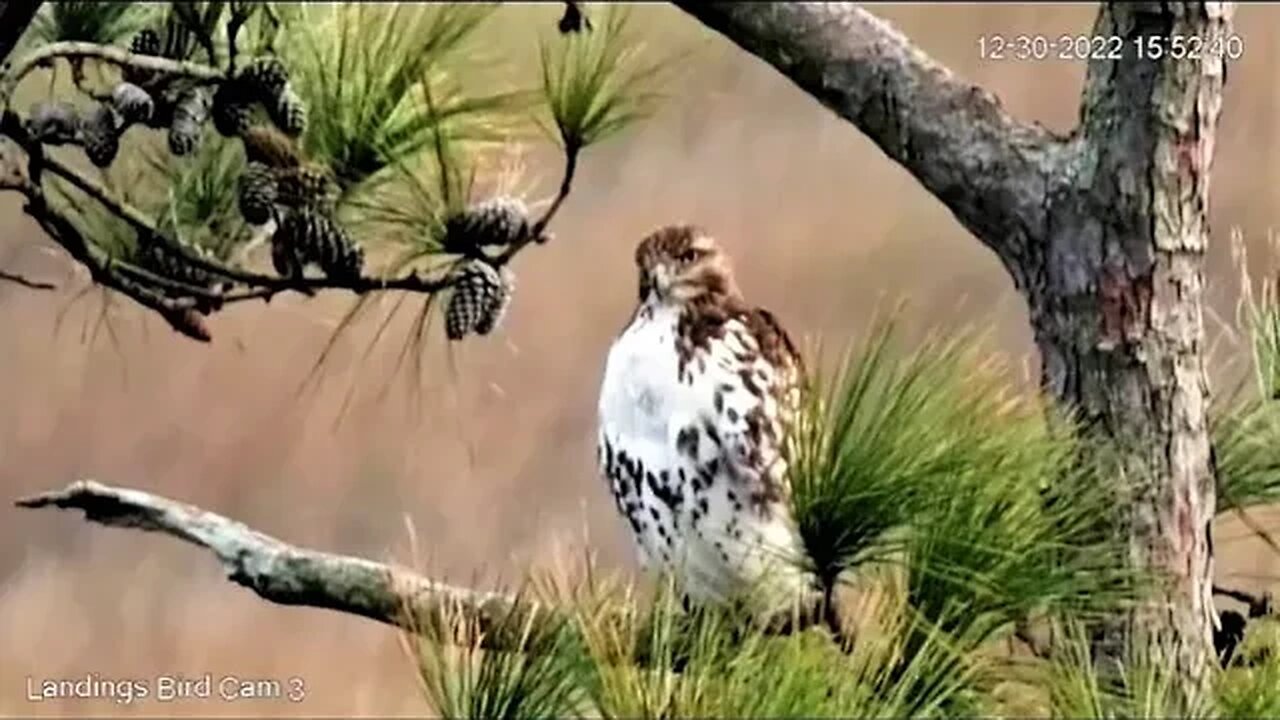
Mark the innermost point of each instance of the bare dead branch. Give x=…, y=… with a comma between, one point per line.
x=991, y=170
x=289, y=575
x=15, y=278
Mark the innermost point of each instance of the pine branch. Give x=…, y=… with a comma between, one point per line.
x=12, y=74
x=538, y=230
x=141, y=222
x=289, y=575
x=146, y=288
x=180, y=302
x=180, y=313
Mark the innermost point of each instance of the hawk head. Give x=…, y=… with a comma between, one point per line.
x=681, y=263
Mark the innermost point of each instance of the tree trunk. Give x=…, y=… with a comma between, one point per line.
x=1116, y=305
x=1103, y=232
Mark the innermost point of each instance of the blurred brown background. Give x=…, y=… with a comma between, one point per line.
x=493, y=461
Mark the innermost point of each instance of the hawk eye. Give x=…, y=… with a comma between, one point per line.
x=687, y=256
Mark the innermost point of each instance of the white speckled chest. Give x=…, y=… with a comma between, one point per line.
x=676, y=454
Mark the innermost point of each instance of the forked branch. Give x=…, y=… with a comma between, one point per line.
x=988, y=168
x=289, y=575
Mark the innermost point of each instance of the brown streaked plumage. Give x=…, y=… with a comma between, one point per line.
x=699, y=393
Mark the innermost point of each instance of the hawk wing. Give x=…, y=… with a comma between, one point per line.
x=741, y=377
x=756, y=418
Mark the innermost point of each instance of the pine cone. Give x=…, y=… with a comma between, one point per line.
x=477, y=294
x=232, y=115
x=188, y=322
x=167, y=261
x=573, y=20
x=315, y=238
x=267, y=145
x=100, y=136
x=189, y=116
x=307, y=186
x=162, y=113
x=288, y=112
x=54, y=123
x=257, y=193
x=145, y=42
x=497, y=221
x=284, y=257
x=132, y=103
x=263, y=78
x=498, y=304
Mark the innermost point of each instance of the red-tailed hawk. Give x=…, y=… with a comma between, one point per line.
x=698, y=394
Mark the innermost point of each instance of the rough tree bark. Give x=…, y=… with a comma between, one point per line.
x=1103, y=232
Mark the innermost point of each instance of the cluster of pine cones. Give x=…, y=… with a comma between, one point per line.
x=262, y=82
x=99, y=130
x=277, y=184
x=481, y=291
x=163, y=102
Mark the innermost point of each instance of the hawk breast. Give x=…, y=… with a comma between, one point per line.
x=690, y=440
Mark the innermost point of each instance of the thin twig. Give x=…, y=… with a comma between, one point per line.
x=17, y=279
x=537, y=232
x=82, y=83
x=234, y=23
x=1259, y=605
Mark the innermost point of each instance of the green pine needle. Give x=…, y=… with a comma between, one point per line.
x=362, y=69
x=595, y=83
x=105, y=23
x=200, y=204
x=930, y=460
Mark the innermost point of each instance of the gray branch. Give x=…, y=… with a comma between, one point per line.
x=289, y=575
x=11, y=74
x=991, y=170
